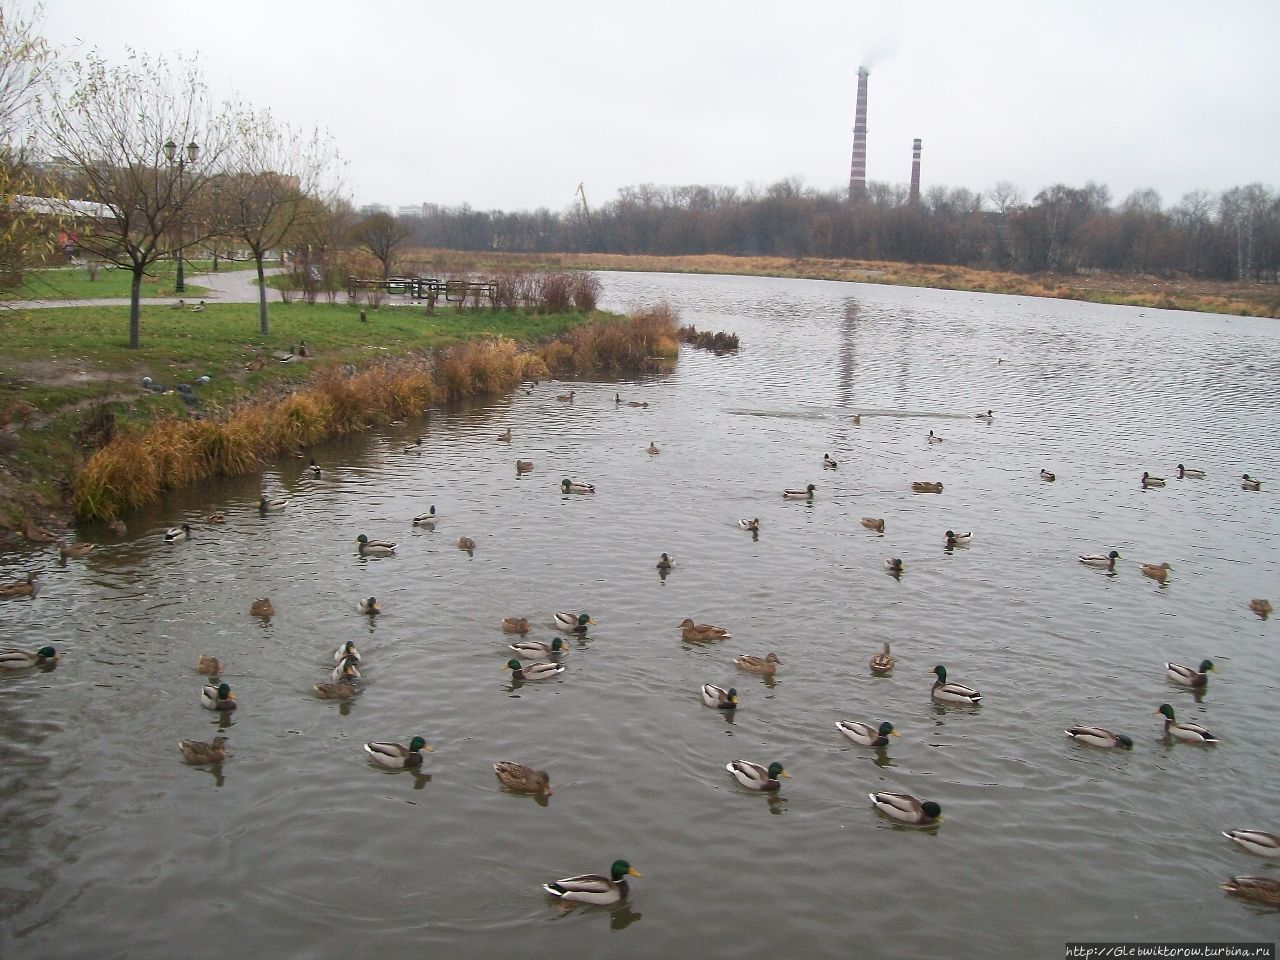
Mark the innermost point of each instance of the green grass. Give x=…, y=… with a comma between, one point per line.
x=73, y=283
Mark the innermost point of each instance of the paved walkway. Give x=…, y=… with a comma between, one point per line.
x=225, y=286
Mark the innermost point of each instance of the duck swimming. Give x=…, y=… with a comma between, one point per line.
x=396, y=756
x=952, y=692
x=755, y=777
x=805, y=494
x=1189, y=677
x=1099, y=737
x=593, y=887
x=1094, y=560
x=864, y=734
x=767, y=665
x=906, y=808
x=1187, y=732
x=719, y=697
x=874, y=523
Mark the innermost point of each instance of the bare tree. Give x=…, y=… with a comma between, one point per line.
x=143, y=141
x=383, y=236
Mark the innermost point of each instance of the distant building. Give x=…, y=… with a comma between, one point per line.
x=371, y=208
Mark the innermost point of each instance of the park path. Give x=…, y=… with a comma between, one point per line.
x=227, y=286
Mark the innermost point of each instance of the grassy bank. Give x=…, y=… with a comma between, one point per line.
x=81, y=283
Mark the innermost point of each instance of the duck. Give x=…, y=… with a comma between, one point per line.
x=958, y=539
x=566, y=397
x=346, y=670
x=755, y=777
x=927, y=486
x=719, y=697
x=1260, y=606
x=1150, y=481
x=23, y=659
x=752, y=523
x=906, y=808
x=515, y=624
x=313, y=468
x=179, y=305
x=262, y=607
x=638, y=403
x=894, y=565
x=1189, y=473
x=988, y=416
x=347, y=651
x=77, y=550
x=425, y=519
x=952, y=692
x=593, y=887
x=828, y=463
x=1099, y=737
x=505, y=435
x=537, y=650
x=336, y=691
x=665, y=562
x=767, y=664
x=368, y=605
x=537, y=670
x=865, y=734
x=524, y=466
x=272, y=505
x=652, y=449
x=702, y=631
x=217, y=697
x=199, y=307
x=396, y=756
x=874, y=523
x=1157, y=571
x=208, y=665
x=1189, y=732
x=215, y=518
x=1265, y=890
x=1096, y=560
x=856, y=419
x=414, y=447
x=199, y=752
x=933, y=437
x=1048, y=477
x=1250, y=483
x=516, y=776
x=883, y=661
x=174, y=534
x=1189, y=677
x=577, y=622
x=1256, y=841
x=805, y=494
x=576, y=486
x=375, y=548
x=467, y=544
x=21, y=588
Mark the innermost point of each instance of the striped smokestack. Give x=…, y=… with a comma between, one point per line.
x=858, y=168
x=915, y=172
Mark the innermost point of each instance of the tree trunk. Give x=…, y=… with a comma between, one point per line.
x=135, y=310
x=262, y=296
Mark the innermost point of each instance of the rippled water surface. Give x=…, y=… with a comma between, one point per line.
x=297, y=847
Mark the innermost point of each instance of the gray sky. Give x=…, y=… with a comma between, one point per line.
x=508, y=105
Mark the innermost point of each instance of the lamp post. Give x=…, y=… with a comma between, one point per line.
x=171, y=155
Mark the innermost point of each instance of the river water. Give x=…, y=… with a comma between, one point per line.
x=297, y=847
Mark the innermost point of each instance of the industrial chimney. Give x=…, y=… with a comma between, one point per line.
x=858, y=168
x=915, y=172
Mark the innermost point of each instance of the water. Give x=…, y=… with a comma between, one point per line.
x=297, y=847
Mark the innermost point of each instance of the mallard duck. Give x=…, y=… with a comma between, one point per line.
x=375, y=548
x=1189, y=677
x=38, y=534
x=866, y=735
x=665, y=562
x=894, y=565
x=1156, y=571
x=1048, y=477
x=1150, y=481
x=537, y=670
x=1189, y=473
x=577, y=622
x=594, y=888
x=952, y=692
x=766, y=664
x=396, y=756
x=1190, y=732
x=368, y=605
x=1256, y=841
x=262, y=607
x=1096, y=560
x=467, y=544
x=199, y=308
x=537, y=650
x=347, y=651
x=874, y=523
x=425, y=519
x=828, y=463
x=1260, y=606
x=208, y=665
x=217, y=697
x=1099, y=737
x=906, y=808
x=505, y=435
x=516, y=776
x=719, y=697
x=524, y=466
x=313, y=469
x=174, y=534
x=805, y=494
x=749, y=524
x=856, y=419
x=566, y=397
x=414, y=447
x=927, y=486
x=272, y=505
x=216, y=518
x=933, y=437
x=637, y=403
x=576, y=486
x=1250, y=483
x=702, y=631
x=1265, y=890
x=346, y=670
x=22, y=659
x=197, y=751
x=958, y=539
x=883, y=662
x=515, y=624
x=336, y=691
x=755, y=777
x=652, y=449
x=74, y=550
x=988, y=416
x=21, y=588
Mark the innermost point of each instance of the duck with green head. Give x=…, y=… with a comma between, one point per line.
x=593, y=887
x=1099, y=737
x=375, y=548
x=865, y=734
x=952, y=692
x=1188, y=676
x=907, y=808
x=217, y=697
x=538, y=670
x=755, y=777
x=575, y=622
x=537, y=650
x=1185, y=731
x=396, y=756
x=23, y=659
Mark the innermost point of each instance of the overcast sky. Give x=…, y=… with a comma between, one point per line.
x=509, y=105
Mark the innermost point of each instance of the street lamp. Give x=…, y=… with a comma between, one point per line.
x=170, y=154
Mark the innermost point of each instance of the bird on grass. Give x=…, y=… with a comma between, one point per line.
x=593, y=887
x=198, y=307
